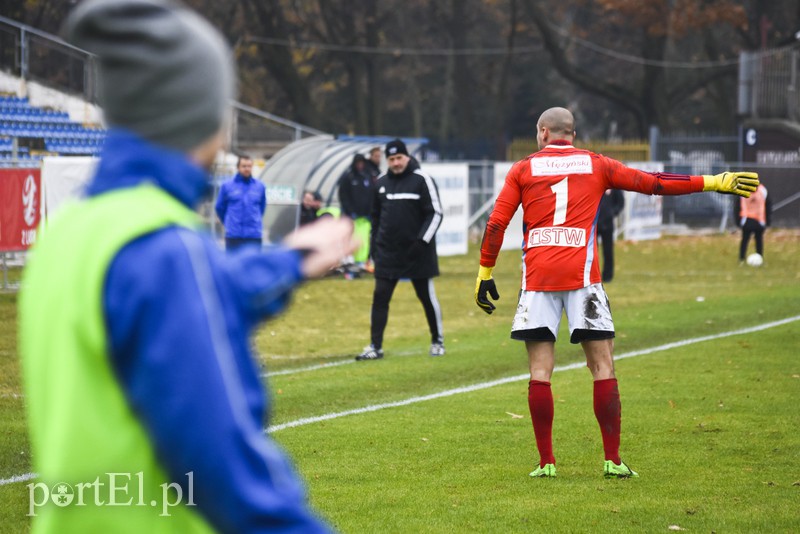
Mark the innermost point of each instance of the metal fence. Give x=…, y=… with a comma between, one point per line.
x=694, y=154
x=33, y=55
x=697, y=155
x=712, y=154
x=720, y=211
x=768, y=83
x=262, y=134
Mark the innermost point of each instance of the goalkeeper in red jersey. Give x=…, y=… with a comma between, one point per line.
x=559, y=188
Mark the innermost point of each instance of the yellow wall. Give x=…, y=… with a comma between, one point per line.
x=633, y=150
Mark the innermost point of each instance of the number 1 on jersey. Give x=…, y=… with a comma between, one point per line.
x=560, y=191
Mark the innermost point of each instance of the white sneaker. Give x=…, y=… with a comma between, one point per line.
x=437, y=349
x=370, y=353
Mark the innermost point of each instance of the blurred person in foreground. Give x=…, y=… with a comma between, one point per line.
x=140, y=382
x=406, y=214
x=559, y=188
x=240, y=206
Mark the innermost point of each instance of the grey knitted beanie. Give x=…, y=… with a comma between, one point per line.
x=164, y=73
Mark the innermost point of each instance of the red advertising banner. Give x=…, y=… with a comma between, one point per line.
x=20, y=208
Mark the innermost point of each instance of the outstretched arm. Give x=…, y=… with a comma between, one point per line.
x=663, y=183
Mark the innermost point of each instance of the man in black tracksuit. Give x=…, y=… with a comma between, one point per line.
x=611, y=204
x=406, y=213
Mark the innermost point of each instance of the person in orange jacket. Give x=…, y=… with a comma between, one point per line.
x=755, y=215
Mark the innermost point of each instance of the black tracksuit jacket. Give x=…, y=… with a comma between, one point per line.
x=406, y=213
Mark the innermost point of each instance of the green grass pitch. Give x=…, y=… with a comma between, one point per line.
x=712, y=426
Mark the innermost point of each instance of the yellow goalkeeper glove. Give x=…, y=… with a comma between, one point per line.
x=736, y=183
x=484, y=285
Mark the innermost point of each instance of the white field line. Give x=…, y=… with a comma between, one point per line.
x=309, y=368
x=526, y=376
x=332, y=364
x=18, y=478
x=483, y=385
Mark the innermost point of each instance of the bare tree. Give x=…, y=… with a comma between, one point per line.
x=269, y=18
x=469, y=70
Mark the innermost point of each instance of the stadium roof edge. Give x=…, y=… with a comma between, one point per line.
x=382, y=139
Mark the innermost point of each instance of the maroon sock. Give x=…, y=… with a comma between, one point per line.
x=540, y=403
x=608, y=410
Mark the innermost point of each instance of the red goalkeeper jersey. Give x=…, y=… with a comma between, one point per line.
x=560, y=188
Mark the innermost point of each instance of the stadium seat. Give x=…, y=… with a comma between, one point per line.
x=59, y=134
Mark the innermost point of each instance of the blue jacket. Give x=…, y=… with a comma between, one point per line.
x=240, y=206
x=179, y=313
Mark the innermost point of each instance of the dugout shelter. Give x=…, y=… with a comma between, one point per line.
x=314, y=164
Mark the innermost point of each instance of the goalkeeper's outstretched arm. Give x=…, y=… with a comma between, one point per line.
x=664, y=183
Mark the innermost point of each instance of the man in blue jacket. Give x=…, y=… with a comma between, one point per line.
x=145, y=357
x=240, y=207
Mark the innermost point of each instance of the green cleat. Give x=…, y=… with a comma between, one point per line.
x=549, y=470
x=612, y=470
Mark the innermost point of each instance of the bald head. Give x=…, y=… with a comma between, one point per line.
x=555, y=124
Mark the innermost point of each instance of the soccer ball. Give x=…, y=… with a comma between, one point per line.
x=755, y=260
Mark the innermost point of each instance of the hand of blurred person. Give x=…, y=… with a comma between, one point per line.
x=324, y=243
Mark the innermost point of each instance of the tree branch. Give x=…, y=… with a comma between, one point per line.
x=616, y=93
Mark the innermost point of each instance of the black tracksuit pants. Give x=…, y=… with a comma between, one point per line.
x=751, y=226
x=606, y=234
x=384, y=288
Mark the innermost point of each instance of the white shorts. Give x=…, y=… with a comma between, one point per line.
x=539, y=315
